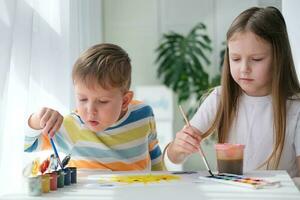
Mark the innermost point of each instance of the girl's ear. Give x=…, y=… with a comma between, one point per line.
x=127, y=97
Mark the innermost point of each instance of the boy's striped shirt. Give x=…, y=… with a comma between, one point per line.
x=130, y=144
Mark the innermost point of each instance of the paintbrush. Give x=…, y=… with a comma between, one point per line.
x=200, y=149
x=56, y=153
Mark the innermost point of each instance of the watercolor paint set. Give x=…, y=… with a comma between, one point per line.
x=45, y=177
x=243, y=181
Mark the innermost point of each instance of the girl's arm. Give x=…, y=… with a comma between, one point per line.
x=298, y=165
x=297, y=179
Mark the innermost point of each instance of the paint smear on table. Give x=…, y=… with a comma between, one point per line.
x=139, y=179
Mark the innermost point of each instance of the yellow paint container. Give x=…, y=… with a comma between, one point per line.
x=46, y=183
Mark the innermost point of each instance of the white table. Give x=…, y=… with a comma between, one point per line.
x=190, y=190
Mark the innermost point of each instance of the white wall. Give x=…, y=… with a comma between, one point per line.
x=290, y=10
x=132, y=24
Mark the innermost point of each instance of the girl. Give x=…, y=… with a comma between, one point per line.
x=258, y=101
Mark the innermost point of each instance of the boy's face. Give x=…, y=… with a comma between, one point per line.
x=100, y=108
x=250, y=59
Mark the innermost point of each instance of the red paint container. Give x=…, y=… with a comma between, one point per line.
x=53, y=181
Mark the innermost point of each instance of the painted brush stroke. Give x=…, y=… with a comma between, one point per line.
x=141, y=179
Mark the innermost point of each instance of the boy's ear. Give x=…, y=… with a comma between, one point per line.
x=128, y=96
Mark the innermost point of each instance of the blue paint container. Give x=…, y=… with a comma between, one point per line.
x=67, y=173
x=73, y=174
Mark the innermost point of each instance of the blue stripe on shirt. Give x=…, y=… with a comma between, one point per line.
x=116, y=154
x=61, y=142
x=135, y=115
x=156, y=152
x=32, y=147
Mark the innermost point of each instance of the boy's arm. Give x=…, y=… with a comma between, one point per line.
x=36, y=141
x=47, y=120
x=36, y=137
x=154, y=149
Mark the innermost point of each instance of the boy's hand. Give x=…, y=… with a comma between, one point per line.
x=186, y=142
x=47, y=119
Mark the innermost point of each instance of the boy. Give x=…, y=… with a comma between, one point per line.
x=108, y=130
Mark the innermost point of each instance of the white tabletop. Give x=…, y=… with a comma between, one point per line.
x=191, y=188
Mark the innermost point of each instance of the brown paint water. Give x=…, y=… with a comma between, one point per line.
x=230, y=166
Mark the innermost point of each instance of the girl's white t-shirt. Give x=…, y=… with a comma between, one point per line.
x=253, y=127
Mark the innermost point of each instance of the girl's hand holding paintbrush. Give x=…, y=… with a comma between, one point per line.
x=190, y=137
x=47, y=119
x=186, y=142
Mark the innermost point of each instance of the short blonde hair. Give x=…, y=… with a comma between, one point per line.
x=107, y=64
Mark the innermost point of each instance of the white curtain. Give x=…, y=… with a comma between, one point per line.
x=40, y=40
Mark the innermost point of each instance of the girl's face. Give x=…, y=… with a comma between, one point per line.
x=100, y=108
x=250, y=59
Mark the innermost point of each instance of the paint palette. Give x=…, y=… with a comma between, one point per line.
x=238, y=180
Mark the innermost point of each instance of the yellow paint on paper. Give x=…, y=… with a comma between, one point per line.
x=147, y=178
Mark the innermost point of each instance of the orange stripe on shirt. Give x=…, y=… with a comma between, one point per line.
x=152, y=144
x=115, y=166
x=135, y=102
x=45, y=142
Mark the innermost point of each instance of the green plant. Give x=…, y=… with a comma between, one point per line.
x=217, y=79
x=182, y=61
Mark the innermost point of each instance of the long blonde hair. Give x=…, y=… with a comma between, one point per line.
x=267, y=23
